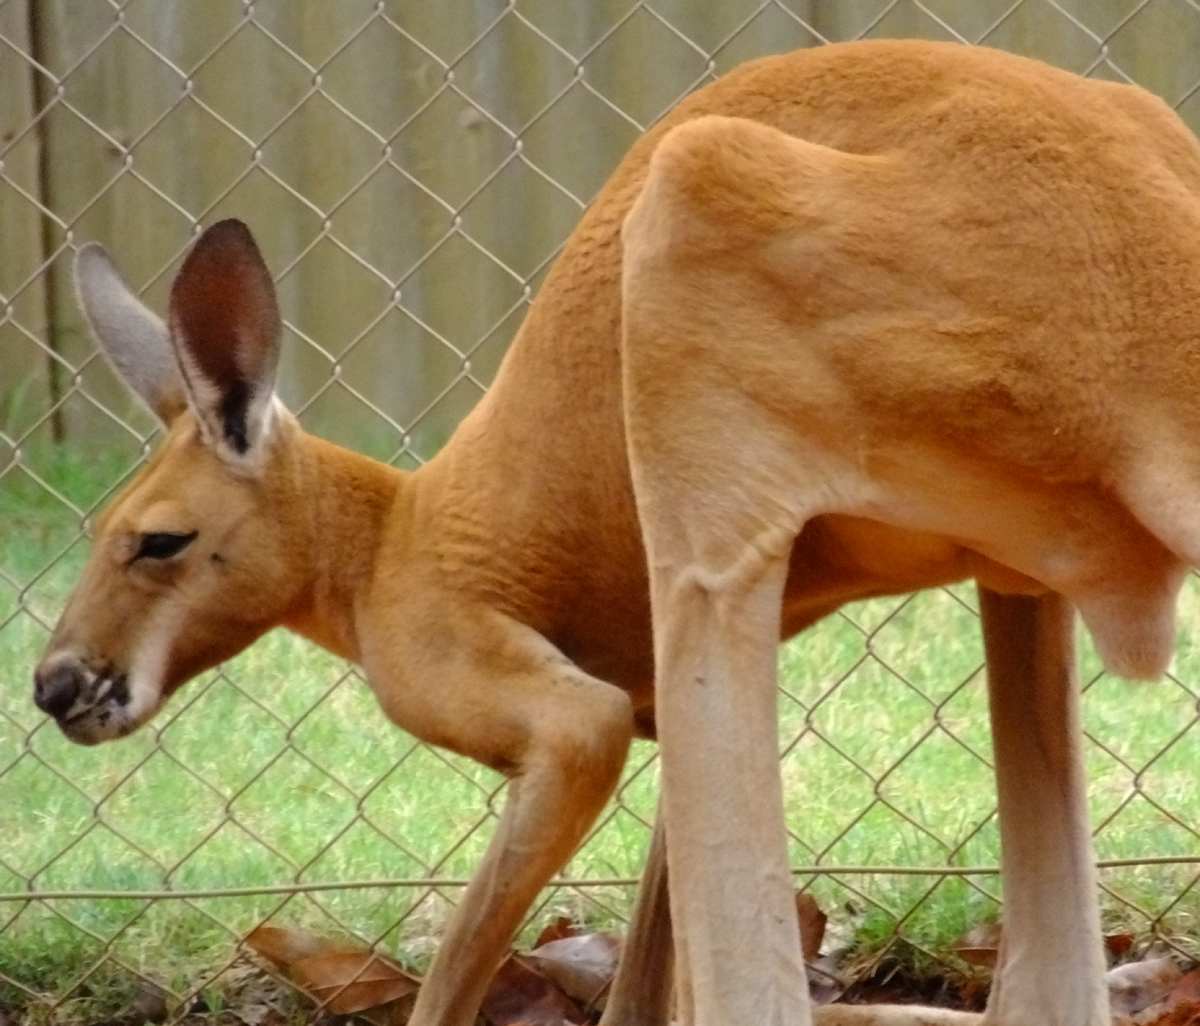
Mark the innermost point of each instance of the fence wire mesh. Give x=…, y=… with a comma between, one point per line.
x=411, y=171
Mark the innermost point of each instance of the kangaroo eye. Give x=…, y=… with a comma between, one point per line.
x=161, y=545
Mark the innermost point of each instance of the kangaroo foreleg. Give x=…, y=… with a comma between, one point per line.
x=576, y=732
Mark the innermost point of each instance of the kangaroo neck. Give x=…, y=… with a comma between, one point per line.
x=350, y=498
x=537, y=515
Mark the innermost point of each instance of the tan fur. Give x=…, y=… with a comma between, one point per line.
x=849, y=322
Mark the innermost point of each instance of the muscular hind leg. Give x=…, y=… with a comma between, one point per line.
x=718, y=520
x=739, y=431
x=715, y=644
x=1051, y=970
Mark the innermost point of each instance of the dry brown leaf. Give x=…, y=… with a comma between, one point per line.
x=582, y=966
x=394, y=1013
x=980, y=946
x=1119, y=945
x=521, y=995
x=540, y=1022
x=812, y=925
x=825, y=986
x=557, y=930
x=349, y=982
x=343, y=979
x=256, y=1015
x=1138, y=985
x=1187, y=988
x=150, y=1004
x=282, y=947
x=1187, y=1013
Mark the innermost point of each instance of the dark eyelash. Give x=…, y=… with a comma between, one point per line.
x=162, y=545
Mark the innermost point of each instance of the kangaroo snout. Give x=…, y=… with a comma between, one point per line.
x=90, y=705
x=58, y=683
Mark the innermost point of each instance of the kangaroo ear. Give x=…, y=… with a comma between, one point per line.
x=129, y=333
x=224, y=325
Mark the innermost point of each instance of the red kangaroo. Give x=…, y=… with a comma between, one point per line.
x=855, y=321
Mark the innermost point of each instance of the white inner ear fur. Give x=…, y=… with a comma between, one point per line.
x=204, y=397
x=268, y=421
x=261, y=416
x=129, y=333
x=251, y=462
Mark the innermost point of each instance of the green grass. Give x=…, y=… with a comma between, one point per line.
x=279, y=769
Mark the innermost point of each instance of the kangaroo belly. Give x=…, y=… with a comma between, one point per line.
x=1079, y=539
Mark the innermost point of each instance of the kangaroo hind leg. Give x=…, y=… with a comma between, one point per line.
x=734, y=441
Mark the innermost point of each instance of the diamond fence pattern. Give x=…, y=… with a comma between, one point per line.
x=411, y=171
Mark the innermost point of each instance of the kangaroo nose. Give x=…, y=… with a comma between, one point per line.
x=56, y=686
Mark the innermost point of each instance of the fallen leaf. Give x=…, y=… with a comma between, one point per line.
x=980, y=946
x=282, y=947
x=344, y=980
x=893, y=980
x=1187, y=988
x=1118, y=945
x=540, y=1022
x=395, y=1013
x=520, y=995
x=150, y=1005
x=557, y=930
x=255, y=1015
x=1138, y=985
x=582, y=966
x=250, y=994
x=812, y=925
x=1185, y=1014
x=349, y=982
x=824, y=985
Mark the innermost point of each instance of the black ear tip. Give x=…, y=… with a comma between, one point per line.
x=230, y=224
x=230, y=231
x=227, y=243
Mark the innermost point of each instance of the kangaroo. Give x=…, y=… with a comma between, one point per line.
x=854, y=321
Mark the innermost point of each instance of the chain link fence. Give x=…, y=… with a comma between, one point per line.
x=411, y=170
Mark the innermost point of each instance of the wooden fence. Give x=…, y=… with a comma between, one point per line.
x=410, y=167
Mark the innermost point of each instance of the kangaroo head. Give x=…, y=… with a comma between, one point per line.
x=195, y=558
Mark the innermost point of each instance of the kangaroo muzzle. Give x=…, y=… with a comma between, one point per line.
x=90, y=705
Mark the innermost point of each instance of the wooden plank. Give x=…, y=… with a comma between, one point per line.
x=24, y=383
x=394, y=163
